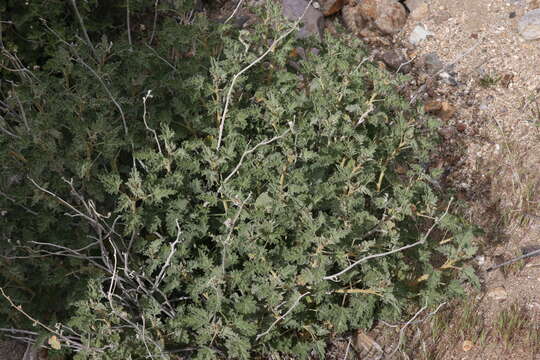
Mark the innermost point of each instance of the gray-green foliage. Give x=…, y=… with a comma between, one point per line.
x=296, y=192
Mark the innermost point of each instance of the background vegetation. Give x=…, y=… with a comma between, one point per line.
x=158, y=199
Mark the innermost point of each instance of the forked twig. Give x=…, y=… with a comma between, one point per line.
x=83, y=28
x=374, y=256
x=235, y=77
x=296, y=302
x=247, y=152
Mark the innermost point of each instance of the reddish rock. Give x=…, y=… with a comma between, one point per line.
x=389, y=16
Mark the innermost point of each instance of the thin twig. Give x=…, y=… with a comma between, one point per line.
x=511, y=261
x=128, y=24
x=367, y=58
x=417, y=321
x=145, y=98
x=446, y=67
x=155, y=23
x=161, y=58
x=370, y=108
x=49, y=329
x=233, y=82
x=65, y=203
x=161, y=274
x=234, y=12
x=403, y=330
x=231, y=225
x=369, y=257
x=347, y=350
x=23, y=114
x=15, y=202
x=83, y=28
x=296, y=302
x=80, y=61
x=405, y=63
x=108, y=92
x=247, y=152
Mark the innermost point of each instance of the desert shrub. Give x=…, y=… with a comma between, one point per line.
x=128, y=218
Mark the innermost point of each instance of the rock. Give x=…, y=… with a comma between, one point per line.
x=443, y=109
x=506, y=80
x=395, y=60
x=467, y=345
x=447, y=132
x=529, y=25
x=419, y=9
x=432, y=63
x=480, y=259
x=313, y=21
x=413, y=5
x=421, y=13
x=330, y=7
x=419, y=34
x=498, y=293
x=448, y=78
x=388, y=16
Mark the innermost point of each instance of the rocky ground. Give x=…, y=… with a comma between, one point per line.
x=476, y=65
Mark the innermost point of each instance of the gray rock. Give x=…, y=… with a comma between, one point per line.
x=529, y=25
x=395, y=60
x=419, y=34
x=432, y=63
x=313, y=21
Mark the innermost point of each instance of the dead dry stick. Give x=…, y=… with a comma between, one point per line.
x=256, y=61
x=235, y=11
x=155, y=23
x=59, y=334
x=128, y=24
x=335, y=276
x=80, y=61
x=83, y=28
x=296, y=302
x=402, y=330
x=247, y=152
x=145, y=98
x=516, y=259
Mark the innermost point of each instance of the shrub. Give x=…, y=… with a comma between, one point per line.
x=147, y=233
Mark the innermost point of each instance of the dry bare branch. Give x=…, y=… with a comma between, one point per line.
x=155, y=23
x=68, y=340
x=256, y=61
x=83, y=28
x=128, y=24
x=145, y=98
x=235, y=11
x=281, y=317
x=161, y=274
x=402, y=330
x=403, y=248
x=247, y=152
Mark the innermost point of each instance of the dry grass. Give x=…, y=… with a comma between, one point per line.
x=444, y=336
